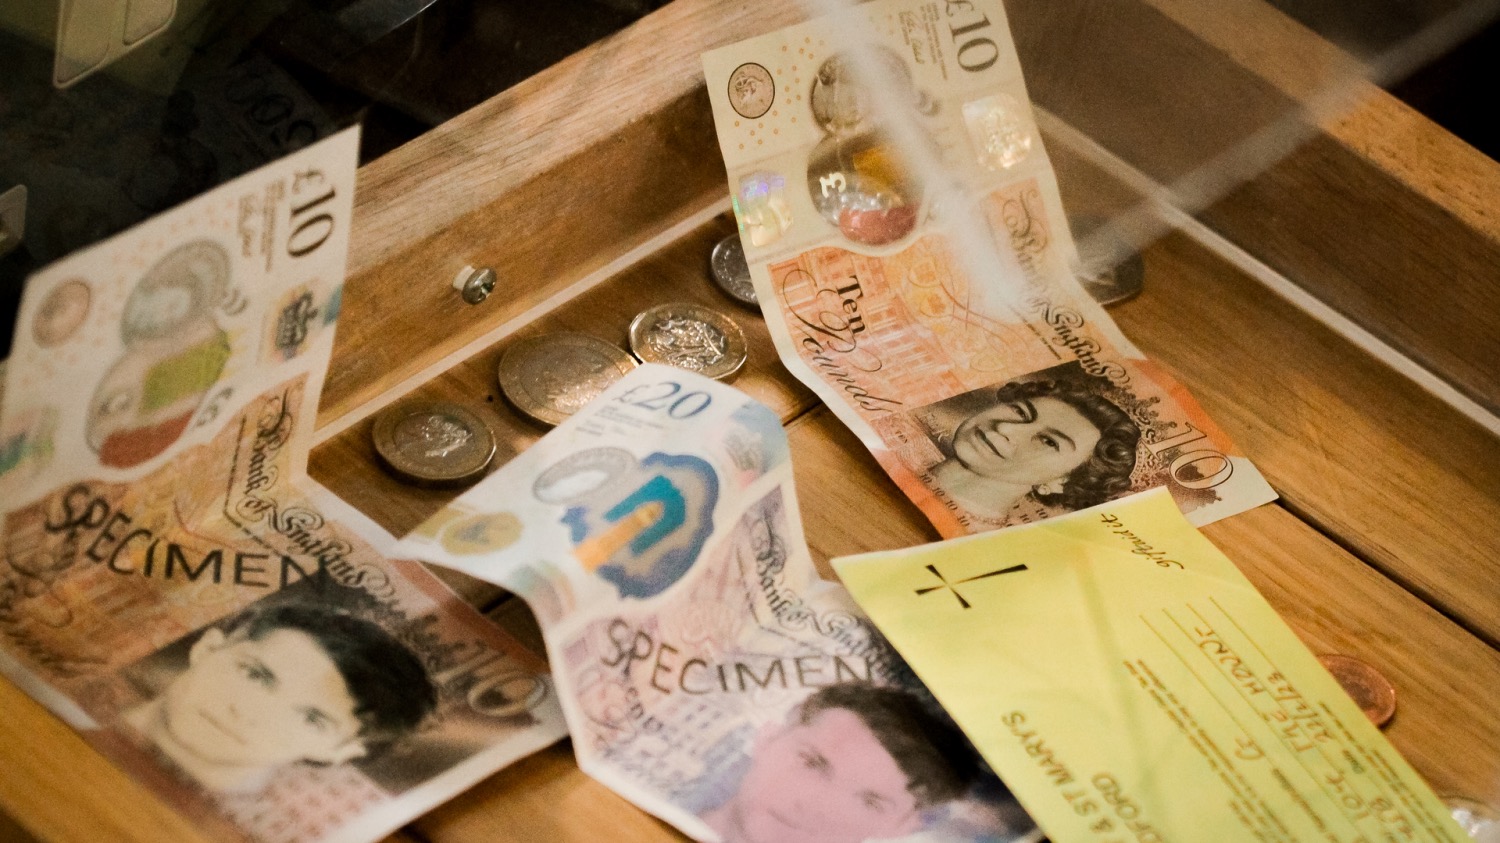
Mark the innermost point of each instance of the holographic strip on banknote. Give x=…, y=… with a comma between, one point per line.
x=170, y=585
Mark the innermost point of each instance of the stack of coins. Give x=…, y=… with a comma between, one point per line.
x=691, y=337
x=433, y=443
x=551, y=377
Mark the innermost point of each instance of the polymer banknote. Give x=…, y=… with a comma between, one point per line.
x=173, y=585
x=908, y=246
x=707, y=673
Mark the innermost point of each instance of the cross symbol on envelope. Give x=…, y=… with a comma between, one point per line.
x=952, y=586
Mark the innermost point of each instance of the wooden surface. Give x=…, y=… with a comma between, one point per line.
x=485, y=189
x=1335, y=602
x=1441, y=309
x=1445, y=725
x=1379, y=213
x=1381, y=548
x=678, y=272
x=1338, y=434
x=544, y=183
x=58, y=788
x=1373, y=125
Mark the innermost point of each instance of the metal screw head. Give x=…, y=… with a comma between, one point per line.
x=478, y=286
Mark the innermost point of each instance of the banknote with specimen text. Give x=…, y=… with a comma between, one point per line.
x=172, y=584
x=706, y=672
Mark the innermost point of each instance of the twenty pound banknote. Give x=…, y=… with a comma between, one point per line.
x=170, y=584
x=706, y=672
x=907, y=244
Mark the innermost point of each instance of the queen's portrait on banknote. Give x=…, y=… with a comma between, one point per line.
x=283, y=684
x=852, y=762
x=1056, y=442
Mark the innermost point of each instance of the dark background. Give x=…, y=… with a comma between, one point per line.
x=1458, y=91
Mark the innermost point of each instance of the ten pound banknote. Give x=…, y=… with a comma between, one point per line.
x=169, y=583
x=706, y=672
x=908, y=246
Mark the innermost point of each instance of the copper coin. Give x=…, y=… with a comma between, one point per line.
x=877, y=227
x=1372, y=692
x=433, y=442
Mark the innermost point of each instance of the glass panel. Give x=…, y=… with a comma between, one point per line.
x=108, y=119
x=113, y=110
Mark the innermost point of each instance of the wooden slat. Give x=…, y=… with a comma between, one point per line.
x=1369, y=122
x=545, y=797
x=1379, y=213
x=1178, y=110
x=1398, y=264
x=545, y=183
x=347, y=465
x=1391, y=472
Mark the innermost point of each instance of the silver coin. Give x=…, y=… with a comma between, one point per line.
x=691, y=337
x=553, y=376
x=1113, y=271
x=433, y=442
x=1117, y=283
x=731, y=272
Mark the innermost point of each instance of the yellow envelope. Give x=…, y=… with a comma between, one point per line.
x=1129, y=684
